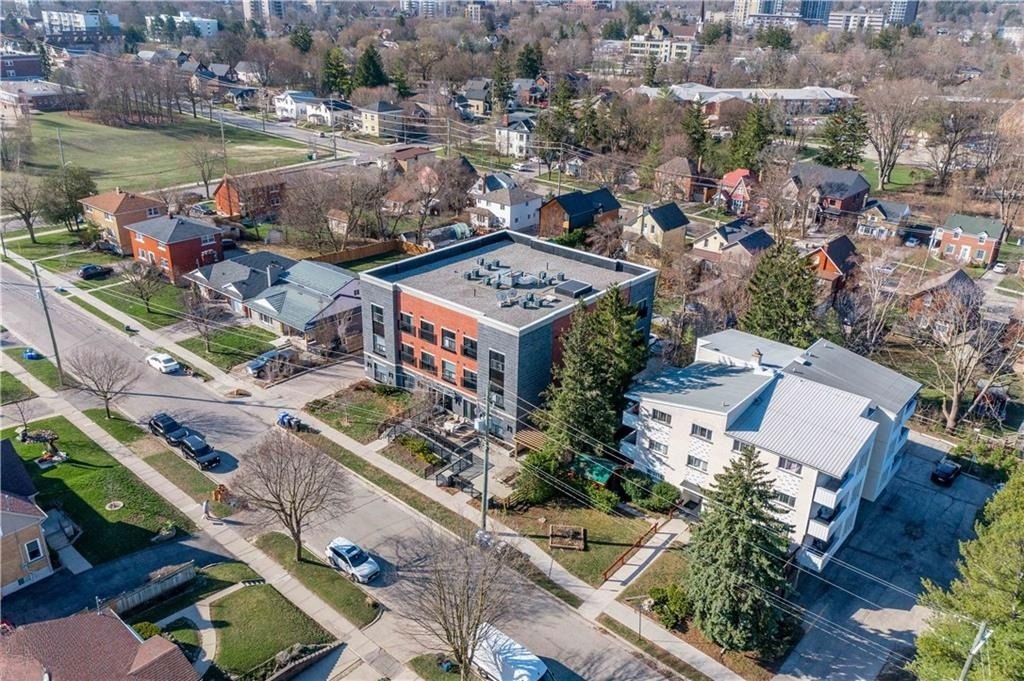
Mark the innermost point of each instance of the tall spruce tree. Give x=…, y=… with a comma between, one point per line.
x=301, y=38
x=370, y=69
x=695, y=127
x=752, y=138
x=736, y=558
x=530, y=62
x=335, y=76
x=621, y=345
x=844, y=135
x=781, y=298
x=651, y=71
x=501, y=79
x=400, y=82
x=989, y=589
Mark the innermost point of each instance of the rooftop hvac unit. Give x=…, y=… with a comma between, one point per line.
x=468, y=276
x=543, y=276
x=561, y=276
x=481, y=261
x=476, y=272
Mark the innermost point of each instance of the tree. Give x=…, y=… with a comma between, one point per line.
x=370, y=69
x=613, y=29
x=950, y=126
x=868, y=308
x=605, y=239
x=301, y=38
x=501, y=80
x=781, y=298
x=737, y=554
x=695, y=127
x=988, y=589
x=107, y=374
x=887, y=40
x=45, y=65
x=1004, y=176
x=714, y=32
x=454, y=588
x=636, y=16
x=143, y=279
x=61, y=192
x=889, y=121
x=334, y=76
x=843, y=139
x=752, y=138
x=310, y=196
x=21, y=195
x=775, y=37
x=202, y=315
x=530, y=62
x=651, y=71
x=400, y=83
x=293, y=481
x=205, y=155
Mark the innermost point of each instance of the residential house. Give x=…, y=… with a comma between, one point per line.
x=826, y=197
x=305, y=300
x=526, y=92
x=337, y=221
x=514, y=136
x=164, y=55
x=663, y=226
x=678, y=178
x=810, y=99
x=883, y=219
x=736, y=191
x=408, y=158
x=937, y=289
x=24, y=96
x=197, y=72
x=481, y=319
x=834, y=262
x=113, y=211
x=381, y=119
x=21, y=65
x=573, y=166
x=224, y=72
x=489, y=182
x=249, y=73
x=578, y=210
x=514, y=208
x=176, y=244
x=737, y=240
x=969, y=239
x=336, y=114
x=24, y=557
x=477, y=95
x=829, y=424
x=292, y=105
x=90, y=645
x=256, y=196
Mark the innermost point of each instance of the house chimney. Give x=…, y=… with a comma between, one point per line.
x=504, y=120
x=756, y=357
x=117, y=190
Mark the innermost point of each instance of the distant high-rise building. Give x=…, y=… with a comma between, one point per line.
x=902, y=12
x=425, y=8
x=741, y=9
x=853, y=22
x=815, y=11
x=771, y=6
x=262, y=10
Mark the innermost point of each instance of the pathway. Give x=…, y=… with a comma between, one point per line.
x=199, y=614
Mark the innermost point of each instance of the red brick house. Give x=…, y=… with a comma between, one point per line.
x=578, y=210
x=114, y=211
x=834, y=262
x=736, y=191
x=824, y=196
x=969, y=239
x=254, y=196
x=679, y=178
x=175, y=244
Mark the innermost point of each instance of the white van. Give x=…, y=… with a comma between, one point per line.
x=499, y=658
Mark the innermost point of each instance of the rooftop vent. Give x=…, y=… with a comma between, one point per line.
x=573, y=288
x=561, y=276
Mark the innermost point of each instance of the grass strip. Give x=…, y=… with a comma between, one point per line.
x=96, y=312
x=657, y=652
x=43, y=369
x=17, y=266
x=427, y=667
x=118, y=426
x=209, y=580
x=13, y=390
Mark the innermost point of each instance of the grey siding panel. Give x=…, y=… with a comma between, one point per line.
x=534, y=373
x=378, y=295
x=644, y=291
x=489, y=339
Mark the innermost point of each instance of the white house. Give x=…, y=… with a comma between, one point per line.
x=514, y=208
x=292, y=105
x=334, y=113
x=514, y=137
x=829, y=424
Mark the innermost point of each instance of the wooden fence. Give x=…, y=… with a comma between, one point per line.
x=628, y=553
x=369, y=251
x=160, y=582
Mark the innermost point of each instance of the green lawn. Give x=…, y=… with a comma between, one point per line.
x=428, y=668
x=186, y=634
x=667, y=568
x=1010, y=252
x=13, y=390
x=24, y=270
x=48, y=245
x=209, y=580
x=188, y=479
x=903, y=177
x=71, y=262
x=232, y=346
x=96, y=312
x=657, y=652
x=358, y=411
x=86, y=483
x=147, y=158
x=256, y=623
x=320, y=578
x=43, y=369
x=120, y=427
x=375, y=261
x=165, y=308
x=1012, y=282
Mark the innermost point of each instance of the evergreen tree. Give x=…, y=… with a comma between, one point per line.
x=501, y=80
x=695, y=127
x=133, y=35
x=556, y=125
x=588, y=127
x=334, y=75
x=622, y=345
x=45, y=65
x=170, y=29
x=736, y=558
x=989, y=589
x=636, y=16
x=613, y=29
x=370, y=69
x=774, y=37
x=530, y=62
x=844, y=135
x=651, y=71
x=157, y=27
x=752, y=138
x=400, y=82
x=301, y=38
x=652, y=159
x=781, y=298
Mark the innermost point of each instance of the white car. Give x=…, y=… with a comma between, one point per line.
x=163, y=363
x=357, y=564
x=521, y=167
x=999, y=268
x=912, y=242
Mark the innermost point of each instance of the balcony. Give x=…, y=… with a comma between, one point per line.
x=628, y=446
x=428, y=336
x=631, y=416
x=824, y=521
x=816, y=554
x=428, y=367
x=469, y=351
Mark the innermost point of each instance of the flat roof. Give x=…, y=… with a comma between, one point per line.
x=706, y=386
x=506, y=255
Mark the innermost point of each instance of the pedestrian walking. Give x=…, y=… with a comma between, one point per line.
x=206, y=510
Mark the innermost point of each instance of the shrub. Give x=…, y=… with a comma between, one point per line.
x=635, y=484
x=421, y=448
x=671, y=605
x=538, y=471
x=663, y=496
x=387, y=390
x=603, y=498
x=146, y=629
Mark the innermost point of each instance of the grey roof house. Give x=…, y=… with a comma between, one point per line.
x=661, y=225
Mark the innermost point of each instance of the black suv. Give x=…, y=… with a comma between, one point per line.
x=198, y=450
x=170, y=430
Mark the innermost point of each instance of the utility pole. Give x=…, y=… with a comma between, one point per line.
x=49, y=325
x=448, y=133
x=60, y=146
x=983, y=635
x=223, y=144
x=487, y=454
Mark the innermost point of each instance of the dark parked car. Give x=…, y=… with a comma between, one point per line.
x=228, y=244
x=199, y=451
x=285, y=356
x=170, y=430
x=94, y=271
x=945, y=472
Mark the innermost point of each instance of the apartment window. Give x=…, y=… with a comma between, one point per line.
x=790, y=465
x=139, y=237
x=379, y=347
x=700, y=432
x=33, y=551
x=981, y=239
x=405, y=322
x=469, y=379
x=108, y=217
x=427, y=331
x=697, y=463
x=408, y=353
x=152, y=212
x=657, y=447
x=377, y=318
x=740, y=447
x=469, y=347
x=661, y=417
x=786, y=500
x=448, y=371
x=949, y=248
x=448, y=340
x=427, y=363
x=264, y=318
x=641, y=309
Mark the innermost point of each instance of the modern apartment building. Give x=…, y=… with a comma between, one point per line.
x=72, y=21
x=830, y=425
x=815, y=11
x=483, y=317
x=663, y=49
x=430, y=9
x=854, y=22
x=262, y=10
x=902, y=12
x=207, y=27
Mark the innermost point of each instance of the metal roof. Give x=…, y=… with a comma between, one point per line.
x=974, y=224
x=741, y=345
x=319, y=277
x=705, y=386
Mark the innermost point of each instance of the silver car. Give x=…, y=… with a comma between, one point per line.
x=356, y=563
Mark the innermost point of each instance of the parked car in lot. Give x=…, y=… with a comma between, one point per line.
x=163, y=425
x=228, y=244
x=258, y=366
x=94, y=271
x=196, y=449
x=356, y=563
x=999, y=268
x=945, y=472
x=163, y=363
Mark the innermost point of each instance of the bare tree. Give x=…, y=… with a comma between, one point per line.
x=104, y=373
x=294, y=482
x=20, y=195
x=1004, y=176
x=143, y=279
x=605, y=239
x=870, y=306
x=202, y=314
x=308, y=200
x=206, y=156
x=950, y=125
x=438, y=186
x=890, y=119
x=455, y=588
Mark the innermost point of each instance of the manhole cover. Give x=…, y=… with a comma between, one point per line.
x=115, y=506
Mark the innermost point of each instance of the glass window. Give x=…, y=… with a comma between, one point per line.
x=405, y=322
x=139, y=237
x=701, y=432
x=152, y=212
x=949, y=248
x=469, y=347
x=448, y=371
x=408, y=353
x=427, y=362
x=790, y=465
x=469, y=379
x=33, y=551
x=377, y=320
x=784, y=499
x=448, y=340
x=207, y=239
x=661, y=417
x=738, y=446
x=980, y=255
x=657, y=447
x=697, y=463
x=427, y=331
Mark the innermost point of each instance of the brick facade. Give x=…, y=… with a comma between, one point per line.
x=178, y=258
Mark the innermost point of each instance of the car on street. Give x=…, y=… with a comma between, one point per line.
x=259, y=365
x=94, y=271
x=163, y=425
x=163, y=363
x=196, y=449
x=945, y=472
x=999, y=268
x=521, y=167
x=356, y=563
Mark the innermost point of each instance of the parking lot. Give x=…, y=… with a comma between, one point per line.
x=910, y=533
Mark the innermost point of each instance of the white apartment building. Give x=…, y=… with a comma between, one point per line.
x=425, y=8
x=207, y=27
x=262, y=10
x=665, y=50
x=830, y=425
x=856, y=21
x=514, y=137
x=89, y=21
x=293, y=104
x=513, y=208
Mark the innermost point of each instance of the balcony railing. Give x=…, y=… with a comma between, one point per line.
x=408, y=358
x=469, y=351
x=428, y=336
x=429, y=367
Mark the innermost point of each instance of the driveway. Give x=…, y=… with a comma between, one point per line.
x=909, y=533
x=998, y=305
